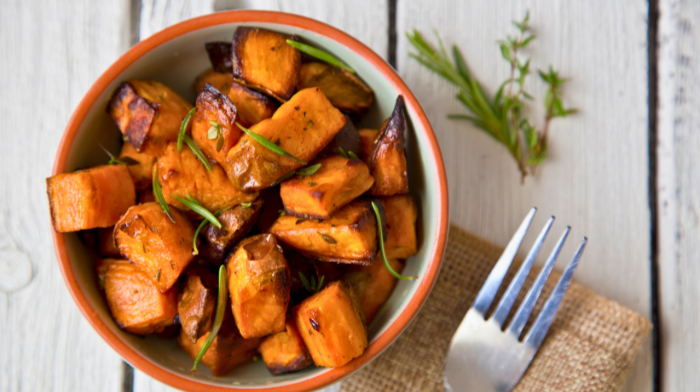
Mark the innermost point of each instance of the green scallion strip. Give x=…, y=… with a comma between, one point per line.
x=193, y=205
x=195, y=149
x=319, y=54
x=183, y=128
x=381, y=246
x=158, y=194
x=218, y=319
x=269, y=145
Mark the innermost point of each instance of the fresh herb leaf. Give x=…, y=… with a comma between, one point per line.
x=381, y=246
x=113, y=160
x=216, y=132
x=193, y=205
x=158, y=194
x=311, y=286
x=183, y=128
x=245, y=205
x=269, y=145
x=327, y=238
x=196, y=151
x=319, y=54
x=218, y=318
x=352, y=155
x=309, y=170
x=343, y=153
x=282, y=212
x=195, y=251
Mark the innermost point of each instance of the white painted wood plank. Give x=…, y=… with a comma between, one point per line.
x=366, y=20
x=679, y=194
x=597, y=177
x=51, y=53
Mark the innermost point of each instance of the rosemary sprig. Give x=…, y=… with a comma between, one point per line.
x=215, y=132
x=269, y=145
x=195, y=251
x=113, y=160
x=319, y=54
x=158, y=194
x=218, y=318
x=309, y=170
x=311, y=286
x=347, y=155
x=501, y=117
x=381, y=247
x=196, y=151
x=183, y=128
x=194, y=205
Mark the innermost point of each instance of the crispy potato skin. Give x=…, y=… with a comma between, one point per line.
x=262, y=59
x=285, y=352
x=235, y=224
x=345, y=90
x=401, y=215
x=220, y=56
x=160, y=248
x=182, y=174
x=388, y=161
x=347, y=138
x=348, y=236
x=148, y=114
x=90, y=198
x=252, y=106
x=196, y=303
x=259, y=282
x=332, y=326
x=141, y=173
x=336, y=183
x=106, y=246
x=368, y=141
x=214, y=106
x=302, y=127
x=136, y=304
x=380, y=284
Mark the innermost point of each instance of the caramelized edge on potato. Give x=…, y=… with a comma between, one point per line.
x=388, y=161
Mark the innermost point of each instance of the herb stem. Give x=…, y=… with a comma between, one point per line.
x=218, y=319
x=381, y=247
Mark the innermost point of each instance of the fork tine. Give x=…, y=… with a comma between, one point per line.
x=508, y=299
x=544, y=319
x=525, y=309
x=493, y=282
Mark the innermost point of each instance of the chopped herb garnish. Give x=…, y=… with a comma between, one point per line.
x=218, y=319
x=319, y=54
x=183, y=128
x=195, y=149
x=269, y=145
x=195, y=251
x=327, y=238
x=352, y=155
x=282, y=212
x=343, y=153
x=216, y=132
x=311, y=286
x=381, y=247
x=193, y=205
x=309, y=170
x=312, y=184
x=158, y=194
x=310, y=124
x=113, y=160
x=245, y=205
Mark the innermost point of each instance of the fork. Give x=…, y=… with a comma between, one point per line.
x=483, y=357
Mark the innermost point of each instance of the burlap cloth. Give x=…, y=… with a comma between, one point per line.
x=590, y=346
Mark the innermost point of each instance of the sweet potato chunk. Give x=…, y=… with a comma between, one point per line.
x=347, y=138
x=368, y=141
x=105, y=239
x=258, y=281
x=160, y=248
x=336, y=183
x=348, y=236
x=331, y=325
x=401, y=215
x=141, y=173
x=182, y=174
x=378, y=287
x=388, y=161
x=235, y=224
x=134, y=301
x=148, y=114
x=285, y=352
x=220, y=56
x=196, y=303
x=220, y=81
x=262, y=59
x=345, y=90
x=215, y=107
x=228, y=351
x=90, y=198
x=302, y=127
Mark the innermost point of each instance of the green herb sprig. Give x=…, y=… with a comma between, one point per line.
x=216, y=132
x=113, y=160
x=194, y=205
x=158, y=194
x=197, y=152
x=381, y=247
x=195, y=251
x=218, y=318
x=269, y=145
x=319, y=54
x=501, y=117
x=347, y=155
x=311, y=286
x=183, y=128
x=309, y=170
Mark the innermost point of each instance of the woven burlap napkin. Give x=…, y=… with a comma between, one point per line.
x=590, y=346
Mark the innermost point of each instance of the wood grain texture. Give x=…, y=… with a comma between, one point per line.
x=52, y=53
x=679, y=194
x=596, y=179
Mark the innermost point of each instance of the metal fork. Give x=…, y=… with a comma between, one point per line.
x=483, y=357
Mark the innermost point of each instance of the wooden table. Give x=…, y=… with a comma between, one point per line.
x=622, y=171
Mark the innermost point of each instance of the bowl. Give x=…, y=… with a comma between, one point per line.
x=175, y=56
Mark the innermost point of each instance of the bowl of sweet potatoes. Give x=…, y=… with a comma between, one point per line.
x=249, y=200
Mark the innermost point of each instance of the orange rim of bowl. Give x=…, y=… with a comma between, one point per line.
x=425, y=283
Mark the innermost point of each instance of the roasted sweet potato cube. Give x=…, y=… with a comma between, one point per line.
x=196, y=303
x=347, y=138
x=368, y=141
x=180, y=173
x=388, y=161
x=214, y=107
x=90, y=198
x=348, y=236
x=136, y=304
x=379, y=285
x=142, y=172
x=220, y=81
x=228, y=351
x=285, y=352
x=220, y=56
x=262, y=59
x=302, y=127
x=331, y=325
x=148, y=114
x=106, y=246
x=401, y=215
x=235, y=224
x=258, y=281
x=160, y=248
x=345, y=90
x=336, y=183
